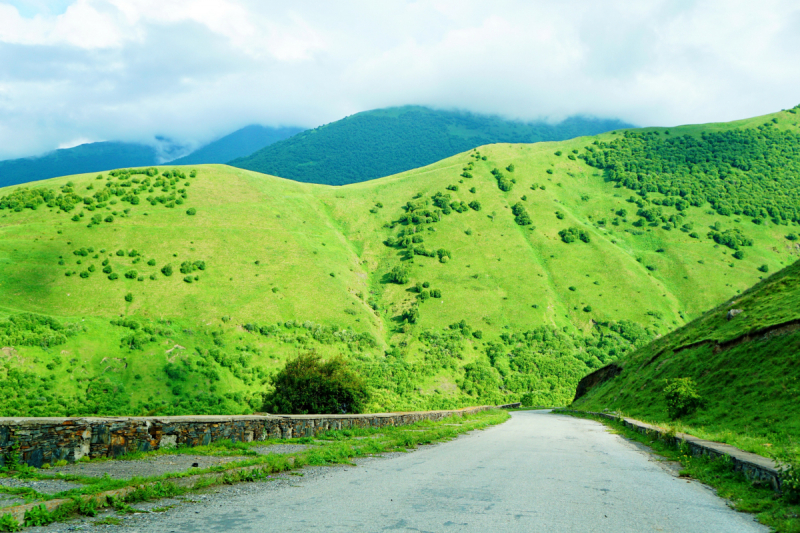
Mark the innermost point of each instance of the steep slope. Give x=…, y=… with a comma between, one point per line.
x=90, y=157
x=240, y=143
x=378, y=143
x=537, y=268
x=743, y=356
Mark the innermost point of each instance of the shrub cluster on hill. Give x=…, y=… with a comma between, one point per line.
x=751, y=172
x=28, y=329
x=573, y=233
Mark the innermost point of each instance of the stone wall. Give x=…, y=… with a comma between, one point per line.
x=47, y=440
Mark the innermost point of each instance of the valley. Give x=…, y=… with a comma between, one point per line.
x=504, y=273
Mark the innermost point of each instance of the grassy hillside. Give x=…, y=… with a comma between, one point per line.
x=744, y=364
x=240, y=143
x=527, y=277
x=381, y=142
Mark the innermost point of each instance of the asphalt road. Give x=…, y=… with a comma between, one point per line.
x=537, y=472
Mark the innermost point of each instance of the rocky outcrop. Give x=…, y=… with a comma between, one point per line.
x=597, y=377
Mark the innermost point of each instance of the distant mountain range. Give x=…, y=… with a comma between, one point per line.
x=383, y=142
x=238, y=144
x=357, y=148
x=102, y=156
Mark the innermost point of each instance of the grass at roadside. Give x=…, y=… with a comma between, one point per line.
x=330, y=448
x=759, y=499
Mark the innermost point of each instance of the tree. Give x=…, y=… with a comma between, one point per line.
x=309, y=385
x=399, y=275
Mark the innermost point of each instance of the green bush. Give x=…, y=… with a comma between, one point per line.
x=121, y=253
x=436, y=293
x=521, y=216
x=129, y=297
x=399, y=275
x=113, y=276
x=166, y=270
x=573, y=233
x=738, y=254
x=309, y=385
x=681, y=397
x=131, y=274
x=763, y=268
x=151, y=263
x=191, y=211
x=475, y=204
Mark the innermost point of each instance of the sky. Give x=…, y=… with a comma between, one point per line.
x=75, y=71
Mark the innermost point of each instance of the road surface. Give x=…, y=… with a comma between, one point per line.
x=538, y=472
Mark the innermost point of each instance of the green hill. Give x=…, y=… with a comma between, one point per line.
x=179, y=290
x=742, y=355
x=240, y=143
x=381, y=142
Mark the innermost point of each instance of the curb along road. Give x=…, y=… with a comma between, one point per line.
x=753, y=466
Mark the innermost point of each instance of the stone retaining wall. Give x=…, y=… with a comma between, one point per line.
x=753, y=466
x=47, y=440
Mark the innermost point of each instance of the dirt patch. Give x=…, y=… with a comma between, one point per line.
x=279, y=449
x=152, y=466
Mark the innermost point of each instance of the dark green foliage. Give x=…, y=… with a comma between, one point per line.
x=738, y=254
x=27, y=329
x=559, y=215
x=151, y=262
x=573, y=233
x=436, y=293
x=187, y=267
x=478, y=334
x=503, y=183
x=750, y=172
x=510, y=168
x=191, y=211
x=411, y=315
x=792, y=237
x=166, y=270
x=521, y=216
x=131, y=274
x=121, y=253
x=399, y=275
x=129, y=297
x=732, y=238
x=763, y=268
x=681, y=396
x=113, y=276
x=309, y=385
x=364, y=146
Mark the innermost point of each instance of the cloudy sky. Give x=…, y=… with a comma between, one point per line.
x=74, y=71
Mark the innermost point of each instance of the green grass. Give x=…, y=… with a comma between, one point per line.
x=278, y=252
x=751, y=390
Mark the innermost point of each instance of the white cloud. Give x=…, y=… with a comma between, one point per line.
x=195, y=69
